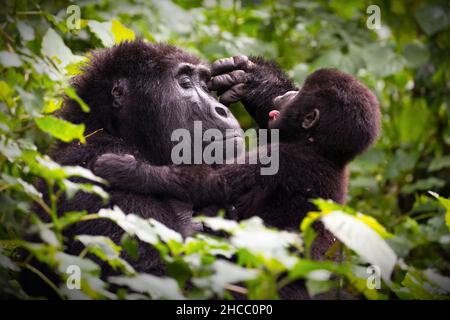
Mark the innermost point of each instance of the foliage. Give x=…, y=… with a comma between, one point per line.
x=404, y=231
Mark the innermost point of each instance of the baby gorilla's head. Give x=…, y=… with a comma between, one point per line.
x=333, y=112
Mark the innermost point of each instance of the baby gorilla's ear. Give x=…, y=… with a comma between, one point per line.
x=311, y=119
x=119, y=92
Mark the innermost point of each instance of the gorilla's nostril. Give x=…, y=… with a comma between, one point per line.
x=221, y=111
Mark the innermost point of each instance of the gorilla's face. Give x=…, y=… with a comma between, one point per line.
x=153, y=106
x=193, y=99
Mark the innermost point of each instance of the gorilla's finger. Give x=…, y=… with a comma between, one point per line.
x=227, y=80
x=229, y=64
x=233, y=95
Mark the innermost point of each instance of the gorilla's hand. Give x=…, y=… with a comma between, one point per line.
x=254, y=81
x=229, y=76
x=118, y=170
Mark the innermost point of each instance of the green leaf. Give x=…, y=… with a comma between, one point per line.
x=54, y=47
x=61, y=129
x=120, y=32
x=10, y=59
x=26, y=32
x=132, y=224
x=446, y=204
x=424, y=184
x=130, y=245
x=416, y=54
x=433, y=18
x=71, y=93
x=102, y=31
x=155, y=287
x=224, y=273
x=6, y=93
x=316, y=287
x=382, y=61
x=439, y=163
x=105, y=249
x=6, y=262
x=72, y=188
x=359, y=237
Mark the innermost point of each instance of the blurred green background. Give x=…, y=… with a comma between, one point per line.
x=406, y=62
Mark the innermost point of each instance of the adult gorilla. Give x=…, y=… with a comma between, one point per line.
x=138, y=93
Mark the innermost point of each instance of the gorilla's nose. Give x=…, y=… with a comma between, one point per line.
x=222, y=112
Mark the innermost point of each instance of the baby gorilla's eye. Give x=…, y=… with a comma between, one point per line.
x=185, y=82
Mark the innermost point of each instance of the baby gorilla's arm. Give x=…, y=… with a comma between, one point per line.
x=198, y=184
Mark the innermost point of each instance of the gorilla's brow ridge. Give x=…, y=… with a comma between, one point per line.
x=189, y=69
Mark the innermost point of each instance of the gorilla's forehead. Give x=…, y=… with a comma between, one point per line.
x=138, y=57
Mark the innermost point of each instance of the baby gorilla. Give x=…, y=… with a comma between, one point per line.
x=322, y=127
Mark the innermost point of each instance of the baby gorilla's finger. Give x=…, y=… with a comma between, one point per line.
x=227, y=80
x=229, y=64
x=233, y=95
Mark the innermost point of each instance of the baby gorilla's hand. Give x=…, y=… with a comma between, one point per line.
x=118, y=170
x=229, y=76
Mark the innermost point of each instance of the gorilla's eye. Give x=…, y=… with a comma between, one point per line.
x=185, y=82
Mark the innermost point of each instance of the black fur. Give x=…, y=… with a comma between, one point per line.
x=136, y=102
x=332, y=119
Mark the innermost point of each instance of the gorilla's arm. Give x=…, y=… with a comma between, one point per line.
x=200, y=185
x=254, y=81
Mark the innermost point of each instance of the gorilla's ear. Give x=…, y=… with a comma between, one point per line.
x=311, y=119
x=119, y=91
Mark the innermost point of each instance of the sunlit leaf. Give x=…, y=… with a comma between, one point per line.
x=120, y=32
x=61, y=129
x=363, y=240
x=155, y=287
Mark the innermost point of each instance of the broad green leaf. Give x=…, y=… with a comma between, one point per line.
x=363, y=240
x=51, y=105
x=382, y=61
x=164, y=233
x=120, y=32
x=54, y=47
x=31, y=101
x=6, y=262
x=64, y=261
x=9, y=148
x=224, y=273
x=6, y=93
x=217, y=223
x=155, y=287
x=61, y=129
x=102, y=31
x=23, y=185
x=374, y=225
x=433, y=18
x=72, y=188
x=416, y=54
x=10, y=59
x=105, y=249
x=439, y=163
x=26, y=32
x=304, y=267
x=132, y=224
x=446, y=204
x=424, y=184
x=71, y=93
x=271, y=244
x=316, y=287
